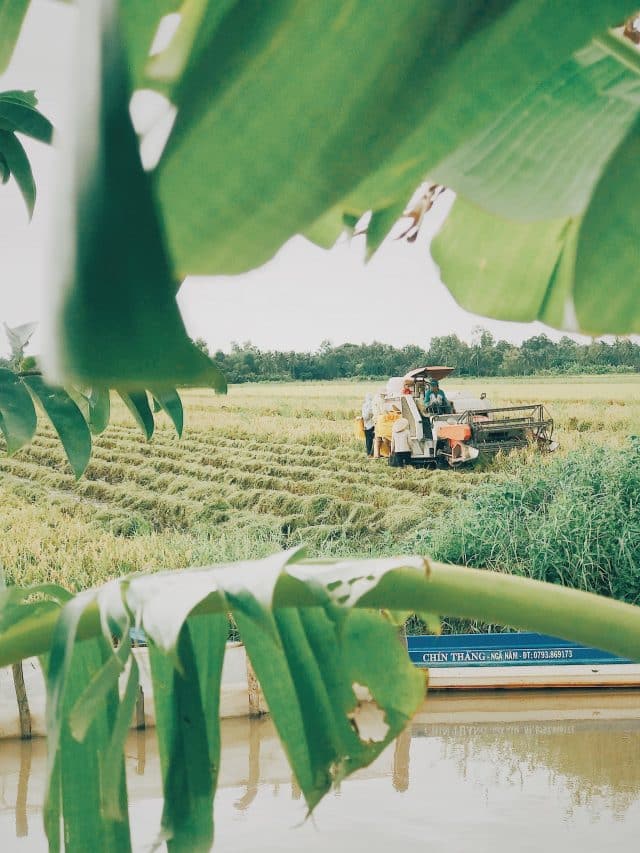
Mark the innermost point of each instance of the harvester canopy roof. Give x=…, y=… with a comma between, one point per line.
x=437, y=372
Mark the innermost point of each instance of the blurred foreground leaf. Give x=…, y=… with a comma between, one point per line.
x=99, y=410
x=542, y=157
x=17, y=413
x=483, y=257
x=553, y=182
x=257, y=154
x=75, y=413
x=67, y=420
x=188, y=720
x=384, y=98
x=17, y=162
x=117, y=323
x=138, y=404
x=606, y=271
x=170, y=402
x=77, y=785
x=18, y=114
x=12, y=14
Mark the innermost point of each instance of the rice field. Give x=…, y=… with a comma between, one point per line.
x=265, y=467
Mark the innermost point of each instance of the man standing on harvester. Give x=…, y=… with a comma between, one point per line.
x=435, y=400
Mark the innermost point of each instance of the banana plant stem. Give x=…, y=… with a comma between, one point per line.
x=518, y=602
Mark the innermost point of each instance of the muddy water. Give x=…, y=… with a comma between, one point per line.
x=501, y=772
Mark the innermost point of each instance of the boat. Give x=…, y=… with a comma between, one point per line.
x=455, y=662
x=517, y=660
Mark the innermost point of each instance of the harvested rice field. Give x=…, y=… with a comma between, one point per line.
x=265, y=467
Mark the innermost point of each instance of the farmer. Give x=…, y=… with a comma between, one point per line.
x=382, y=435
x=435, y=400
x=369, y=423
x=378, y=403
x=400, y=447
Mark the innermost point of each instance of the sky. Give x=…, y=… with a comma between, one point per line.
x=303, y=296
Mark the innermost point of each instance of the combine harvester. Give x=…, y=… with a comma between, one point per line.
x=456, y=434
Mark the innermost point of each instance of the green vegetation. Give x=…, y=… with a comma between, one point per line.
x=368, y=152
x=485, y=357
x=18, y=115
x=373, y=113
x=572, y=520
x=270, y=466
x=76, y=412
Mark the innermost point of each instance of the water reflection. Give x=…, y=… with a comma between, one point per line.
x=593, y=760
x=21, y=762
x=141, y=748
x=257, y=731
x=493, y=761
x=401, y=752
x=22, y=825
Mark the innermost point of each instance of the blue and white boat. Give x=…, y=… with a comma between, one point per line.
x=517, y=660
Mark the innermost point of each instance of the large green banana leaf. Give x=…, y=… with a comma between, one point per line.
x=291, y=115
x=544, y=226
x=388, y=91
x=12, y=14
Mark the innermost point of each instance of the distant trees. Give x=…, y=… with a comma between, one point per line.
x=202, y=345
x=483, y=357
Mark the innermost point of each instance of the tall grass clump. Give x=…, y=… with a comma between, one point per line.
x=572, y=520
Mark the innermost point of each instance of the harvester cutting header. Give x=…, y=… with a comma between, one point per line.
x=433, y=428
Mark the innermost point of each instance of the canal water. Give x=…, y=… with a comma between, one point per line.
x=538, y=771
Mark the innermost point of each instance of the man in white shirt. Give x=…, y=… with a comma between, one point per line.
x=368, y=422
x=400, y=446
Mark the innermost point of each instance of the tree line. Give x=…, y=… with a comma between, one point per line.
x=485, y=356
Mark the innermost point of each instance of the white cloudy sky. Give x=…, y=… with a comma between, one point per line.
x=302, y=297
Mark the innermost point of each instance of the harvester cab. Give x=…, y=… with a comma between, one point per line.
x=456, y=432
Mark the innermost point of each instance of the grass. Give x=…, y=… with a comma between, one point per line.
x=572, y=520
x=269, y=466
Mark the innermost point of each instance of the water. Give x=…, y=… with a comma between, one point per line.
x=509, y=772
